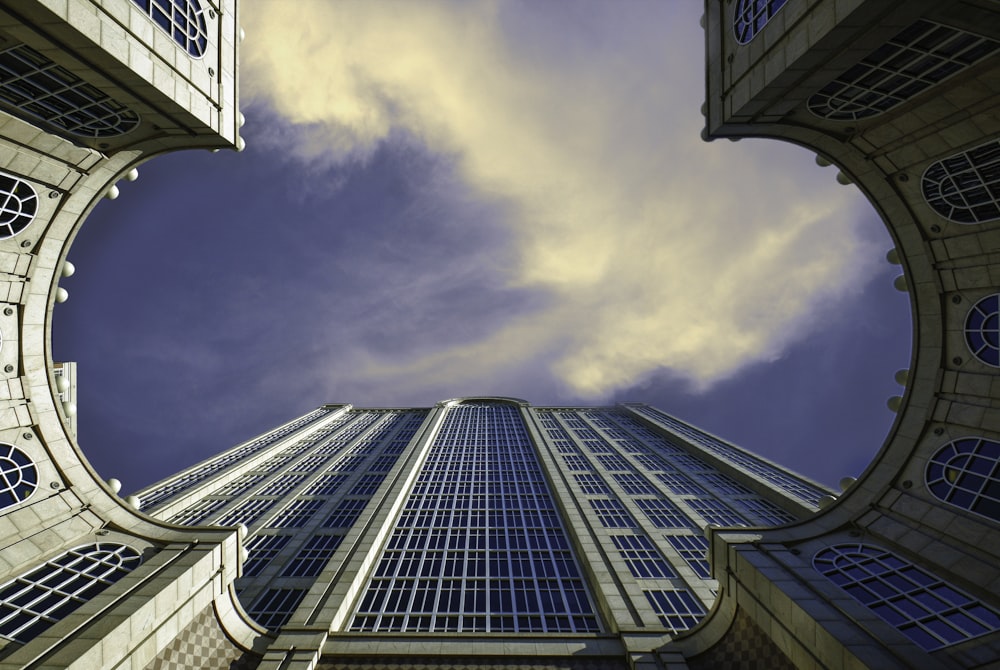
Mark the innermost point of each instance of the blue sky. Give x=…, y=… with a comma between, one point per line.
x=470, y=198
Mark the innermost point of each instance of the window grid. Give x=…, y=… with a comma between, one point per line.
x=635, y=485
x=18, y=205
x=189, y=479
x=35, y=86
x=261, y=550
x=280, y=485
x=246, y=512
x=982, y=330
x=766, y=512
x=346, y=513
x=312, y=558
x=367, y=485
x=681, y=485
x=724, y=484
x=296, y=514
x=663, y=514
x=917, y=58
x=479, y=546
x=612, y=514
x=965, y=187
x=198, y=512
x=325, y=485
x=755, y=466
x=694, y=550
x=926, y=609
x=275, y=607
x=751, y=16
x=18, y=475
x=592, y=485
x=642, y=557
x=34, y=601
x=715, y=512
x=677, y=609
x=966, y=473
x=183, y=20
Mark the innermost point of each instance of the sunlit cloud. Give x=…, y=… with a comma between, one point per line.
x=653, y=250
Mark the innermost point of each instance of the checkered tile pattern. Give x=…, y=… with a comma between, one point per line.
x=203, y=645
x=744, y=647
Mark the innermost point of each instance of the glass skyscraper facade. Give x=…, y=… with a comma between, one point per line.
x=482, y=515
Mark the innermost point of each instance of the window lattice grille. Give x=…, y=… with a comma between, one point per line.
x=183, y=20
x=33, y=85
x=32, y=602
x=982, y=330
x=966, y=473
x=752, y=15
x=965, y=187
x=926, y=609
x=18, y=475
x=18, y=205
x=919, y=57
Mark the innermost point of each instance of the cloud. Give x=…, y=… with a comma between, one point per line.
x=654, y=250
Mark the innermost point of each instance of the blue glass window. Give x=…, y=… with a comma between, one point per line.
x=965, y=187
x=261, y=550
x=31, y=603
x=919, y=57
x=479, y=546
x=32, y=85
x=677, y=609
x=982, y=330
x=274, y=607
x=18, y=475
x=183, y=20
x=18, y=205
x=752, y=15
x=966, y=473
x=694, y=550
x=928, y=610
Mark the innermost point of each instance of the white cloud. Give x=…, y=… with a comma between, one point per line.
x=658, y=250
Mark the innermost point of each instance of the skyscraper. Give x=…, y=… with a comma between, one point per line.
x=483, y=516
x=484, y=532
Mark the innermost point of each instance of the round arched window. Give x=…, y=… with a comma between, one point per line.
x=18, y=205
x=752, y=15
x=966, y=473
x=33, y=601
x=982, y=330
x=18, y=475
x=965, y=187
x=926, y=609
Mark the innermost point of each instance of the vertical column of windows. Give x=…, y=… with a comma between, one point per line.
x=752, y=465
x=622, y=459
x=187, y=480
x=313, y=536
x=479, y=546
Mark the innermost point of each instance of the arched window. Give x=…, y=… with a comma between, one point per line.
x=917, y=58
x=752, y=15
x=926, y=609
x=965, y=188
x=32, y=85
x=18, y=204
x=183, y=20
x=18, y=475
x=966, y=473
x=982, y=330
x=32, y=602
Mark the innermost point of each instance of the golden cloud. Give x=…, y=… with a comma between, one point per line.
x=660, y=251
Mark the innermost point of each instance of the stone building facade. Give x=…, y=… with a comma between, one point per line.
x=900, y=569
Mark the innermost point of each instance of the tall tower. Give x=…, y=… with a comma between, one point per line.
x=480, y=519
